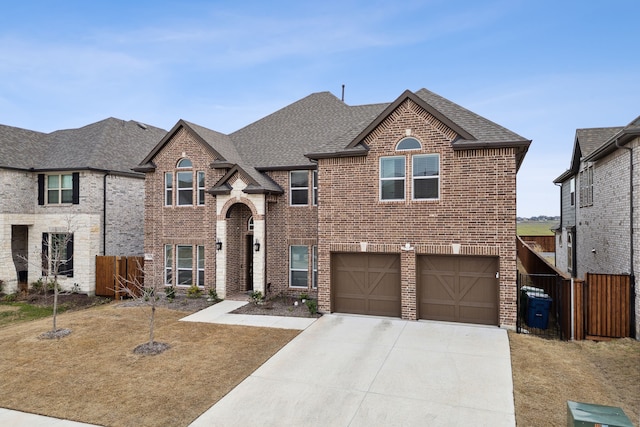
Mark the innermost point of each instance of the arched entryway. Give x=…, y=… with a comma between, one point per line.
x=240, y=252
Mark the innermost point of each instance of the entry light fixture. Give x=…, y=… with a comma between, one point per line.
x=256, y=245
x=219, y=244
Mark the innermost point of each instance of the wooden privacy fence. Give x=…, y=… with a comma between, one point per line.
x=109, y=268
x=546, y=243
x=608, y=302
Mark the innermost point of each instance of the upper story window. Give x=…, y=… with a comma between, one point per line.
x=586, y=186
x=408, y=144
x=250, y=224
x=392, y=178
x=55, y=189
x=572, y=190
x=315, y=188
x=426, y=177
x=299, y=188
x=188, y=187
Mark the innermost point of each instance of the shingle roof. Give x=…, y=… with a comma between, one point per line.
x=111, y=144
x=590, y=139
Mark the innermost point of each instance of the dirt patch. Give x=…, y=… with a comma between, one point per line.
x=547, y=373
x=280, y=306
x=67, y=301
x=181, y=302
x=93, y=375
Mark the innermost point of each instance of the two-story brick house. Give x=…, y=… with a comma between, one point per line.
x=403, y=209
x=73, y=188
x=600, y=205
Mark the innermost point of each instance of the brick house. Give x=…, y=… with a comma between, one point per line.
x=600, y=205
x=403, y=209
x=74, y=187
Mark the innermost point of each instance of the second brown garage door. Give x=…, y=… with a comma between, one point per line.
x=365, y=283
x=458, y=289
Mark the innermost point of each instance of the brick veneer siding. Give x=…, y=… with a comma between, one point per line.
x=288, y=225
x=476, y=209
x=185, y=225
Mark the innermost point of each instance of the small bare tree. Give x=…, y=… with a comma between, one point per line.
x=146, y=294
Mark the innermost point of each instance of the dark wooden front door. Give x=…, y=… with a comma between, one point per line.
x=458, y=289
x=364, y=283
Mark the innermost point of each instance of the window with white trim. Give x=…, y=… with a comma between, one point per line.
x=314, y=266
x=408, y=144
x=185, y=188
x=200, y=250
x=200, y=188
x=250, y=224
x=168, y=265
x=426, y=177
x=298, y=266
x=184, y=263
x=392, y=178
x=299, y=188
x=572, y=191
x=569, y=252
x=315, y=188
x=59, y=189
x=57, y=254
x=168, y=189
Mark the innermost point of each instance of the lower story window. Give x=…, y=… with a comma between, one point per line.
x=57, y=254
x=188, y=263
x=298, y=266
x=314, y=273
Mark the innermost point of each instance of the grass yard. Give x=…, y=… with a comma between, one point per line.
x=93, y=375
x=536, y=228
x=547, y=373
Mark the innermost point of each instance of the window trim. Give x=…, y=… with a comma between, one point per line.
x=405, y=140
x=179, y=269
x=65, y=266
x=60, y=189
x=200, y=268
x=185, y=189
x=168, y=265
x=304, y=189
x=314, y=267
x=314, y=183
x=201, y=192
x=572, y=191
x=168, y=188
x=291, y=269
x=403, y=178
x=414, y=178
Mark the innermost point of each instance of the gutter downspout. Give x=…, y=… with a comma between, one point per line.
x=631, y=269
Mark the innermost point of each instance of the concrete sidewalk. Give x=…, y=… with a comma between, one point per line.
x=362, y=371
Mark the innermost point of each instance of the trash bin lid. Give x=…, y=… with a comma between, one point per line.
x=598, y=414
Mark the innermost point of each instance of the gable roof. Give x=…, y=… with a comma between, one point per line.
x=320, y=125
x=586, y=141
x=109, y=145
x=620, y=138
x=472, y=130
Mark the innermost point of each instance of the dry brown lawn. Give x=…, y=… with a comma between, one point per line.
x=547, y=373
x=93, y=375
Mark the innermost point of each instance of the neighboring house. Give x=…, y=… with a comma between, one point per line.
x=74, y=186
x=600, y=205
x=403, y=209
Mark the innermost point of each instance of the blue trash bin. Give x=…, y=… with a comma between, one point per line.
x=538, y=311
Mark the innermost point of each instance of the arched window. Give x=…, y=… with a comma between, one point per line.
x=250, y=224
x=408, y=144
x=184, y=163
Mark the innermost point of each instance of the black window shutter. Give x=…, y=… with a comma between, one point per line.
x=45, y=253
x=41, y=189
x=76, y=188
x=69, y=261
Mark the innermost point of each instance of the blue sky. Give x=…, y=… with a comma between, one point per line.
x=540, y=68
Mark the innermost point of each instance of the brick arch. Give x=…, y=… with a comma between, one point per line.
x=241, y=200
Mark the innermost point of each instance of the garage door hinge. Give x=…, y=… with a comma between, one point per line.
x=497, y=274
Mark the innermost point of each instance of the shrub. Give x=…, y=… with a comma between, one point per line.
x=170, y=292
x=1, y=285
x=10, y=297
x=312, y=305
x=213, y=295
x=194, y=291
x=256, y=297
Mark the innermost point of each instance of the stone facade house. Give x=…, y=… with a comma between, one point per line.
x=600, y=205
x=403, y=209
x=70, y=192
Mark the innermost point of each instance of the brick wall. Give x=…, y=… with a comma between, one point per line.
x=188, y=225
x=476, y=208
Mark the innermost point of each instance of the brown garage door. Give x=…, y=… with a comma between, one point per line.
x=364, y=283
x=458, y=289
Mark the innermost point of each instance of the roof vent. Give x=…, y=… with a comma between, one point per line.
x=142, y=125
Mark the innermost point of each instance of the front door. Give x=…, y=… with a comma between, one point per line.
x=249, y=282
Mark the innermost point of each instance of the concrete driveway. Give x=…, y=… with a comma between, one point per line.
x=368, y=371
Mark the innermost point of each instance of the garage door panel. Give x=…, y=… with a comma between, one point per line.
x=366, y=284
x=458, y=289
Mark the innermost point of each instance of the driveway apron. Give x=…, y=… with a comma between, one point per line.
x=348, y=370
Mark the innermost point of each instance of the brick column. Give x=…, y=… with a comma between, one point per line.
x=408, y=283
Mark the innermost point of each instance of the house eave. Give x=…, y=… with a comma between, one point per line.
x=619, y=139
x=341, y=153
